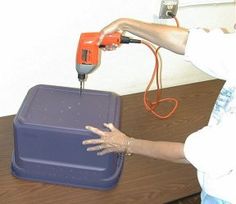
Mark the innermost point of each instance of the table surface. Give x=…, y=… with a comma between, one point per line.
x=143, y=180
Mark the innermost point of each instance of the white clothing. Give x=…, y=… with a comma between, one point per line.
x=212, y=149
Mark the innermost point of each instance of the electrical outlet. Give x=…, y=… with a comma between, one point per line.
x=168, y=9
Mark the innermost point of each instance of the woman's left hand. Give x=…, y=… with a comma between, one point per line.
x=112, y=141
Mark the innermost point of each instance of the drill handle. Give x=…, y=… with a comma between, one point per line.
x=117, y=39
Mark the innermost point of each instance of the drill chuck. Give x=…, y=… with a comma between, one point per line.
x=81, y=77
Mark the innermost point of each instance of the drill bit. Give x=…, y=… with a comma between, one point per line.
x=81, y=87
x=81, y=78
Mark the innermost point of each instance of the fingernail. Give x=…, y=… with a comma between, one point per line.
x=84, y=142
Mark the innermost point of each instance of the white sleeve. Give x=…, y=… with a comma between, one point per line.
x=212, y=149
x=213, y=52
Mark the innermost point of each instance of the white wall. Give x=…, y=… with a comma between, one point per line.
x=38, y=42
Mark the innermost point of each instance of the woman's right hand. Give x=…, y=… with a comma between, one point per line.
x=115, y=26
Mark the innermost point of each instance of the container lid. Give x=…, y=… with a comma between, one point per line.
x=62, y=107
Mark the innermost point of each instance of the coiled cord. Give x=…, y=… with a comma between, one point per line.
x=152, y=106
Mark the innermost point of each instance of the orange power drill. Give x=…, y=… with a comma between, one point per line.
x=88, y=51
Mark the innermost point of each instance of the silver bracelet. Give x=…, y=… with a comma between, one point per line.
x=129, y=142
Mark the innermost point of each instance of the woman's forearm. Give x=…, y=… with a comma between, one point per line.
x=170, y=37
x=116, y=141
x=171, y=151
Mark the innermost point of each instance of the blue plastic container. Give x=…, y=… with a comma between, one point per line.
x=48, y=132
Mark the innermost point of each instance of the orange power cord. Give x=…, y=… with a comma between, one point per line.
x=152, y=105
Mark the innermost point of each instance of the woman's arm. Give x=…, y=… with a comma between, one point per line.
x=170, y=37
x=116, y=141
x=170, y=151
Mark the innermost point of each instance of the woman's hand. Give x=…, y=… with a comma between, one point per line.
x=115, y=26
x=112, y=141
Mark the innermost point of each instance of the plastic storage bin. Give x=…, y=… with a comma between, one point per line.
x=48, y=132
